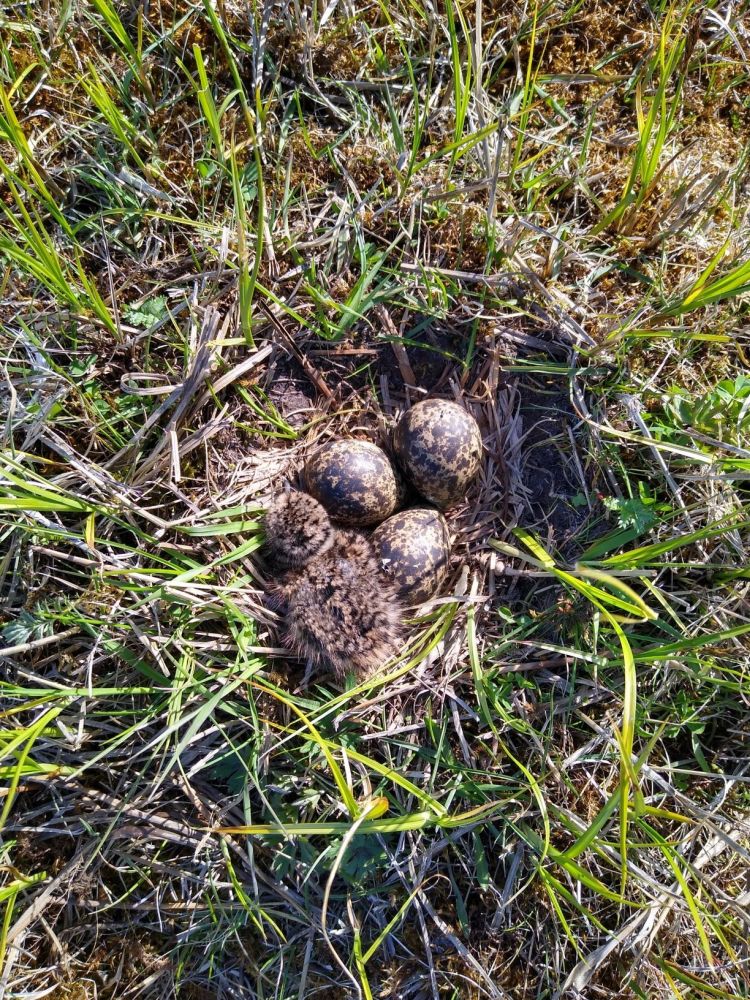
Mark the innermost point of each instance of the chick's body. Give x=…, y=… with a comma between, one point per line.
x=340, y=610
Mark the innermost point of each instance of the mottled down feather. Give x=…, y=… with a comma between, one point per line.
x=340, y=611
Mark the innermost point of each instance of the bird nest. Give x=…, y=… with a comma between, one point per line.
x=531, y=475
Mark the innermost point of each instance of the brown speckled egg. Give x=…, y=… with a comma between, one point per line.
x=414, y=546
x=354, y=480
x=440, y=448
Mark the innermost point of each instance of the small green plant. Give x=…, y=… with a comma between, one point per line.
x=144, y=315
x=720, y=416
x=723, y=412
x=28, y=626
x=638, y=513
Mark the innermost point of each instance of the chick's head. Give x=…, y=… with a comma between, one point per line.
x=297, y=530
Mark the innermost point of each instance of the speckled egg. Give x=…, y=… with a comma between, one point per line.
x=440, y=448
x=355, y=481
x=414, y=547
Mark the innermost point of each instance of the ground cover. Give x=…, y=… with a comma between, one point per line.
x=230, y=231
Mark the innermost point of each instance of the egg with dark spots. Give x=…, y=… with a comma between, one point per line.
x=439, y=446
x=355, y=481
x=414, y=547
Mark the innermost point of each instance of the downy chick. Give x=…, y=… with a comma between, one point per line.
x=340, y=610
